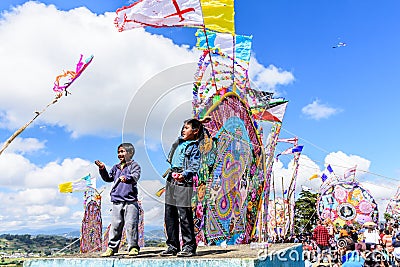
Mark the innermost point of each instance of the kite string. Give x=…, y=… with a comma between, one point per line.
x=211, y=61
x=327, y=152
x=20, y=130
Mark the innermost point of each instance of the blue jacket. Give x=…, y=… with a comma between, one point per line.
x=191, y=162
x=123, y=192
x=180, y=193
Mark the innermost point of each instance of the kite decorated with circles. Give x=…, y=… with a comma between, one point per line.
x=346, y=203
x=393, y=207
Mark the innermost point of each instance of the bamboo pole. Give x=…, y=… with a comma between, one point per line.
x=20, y=130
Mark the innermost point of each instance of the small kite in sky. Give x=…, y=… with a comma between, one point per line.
x=68, y=78
x=340, y=44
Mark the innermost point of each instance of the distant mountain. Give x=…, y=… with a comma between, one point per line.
x=151, y=233
x=43, y=231
x=154, y=235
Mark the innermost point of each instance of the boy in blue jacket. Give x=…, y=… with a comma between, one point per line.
x=184, y=158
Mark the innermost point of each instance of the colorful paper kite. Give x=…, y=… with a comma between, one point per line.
x=393, y=207
x=347, y=202
x=71, y=76
x=340, y=44
x=177, y=13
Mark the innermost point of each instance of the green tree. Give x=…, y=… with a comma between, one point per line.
x=387, y=216
x=305, y=211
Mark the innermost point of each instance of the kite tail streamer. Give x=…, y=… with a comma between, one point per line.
x=20, y=130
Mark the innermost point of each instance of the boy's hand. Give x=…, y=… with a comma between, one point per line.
x=100, y=164
x=178, y=176
x=123, y=179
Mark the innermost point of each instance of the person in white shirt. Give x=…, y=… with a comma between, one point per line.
x=371, y=237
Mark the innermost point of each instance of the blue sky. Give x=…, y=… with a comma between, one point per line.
x=342, y=101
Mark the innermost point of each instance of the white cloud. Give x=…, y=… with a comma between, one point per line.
x=318, y=111
x=36, y=196
x=340, y=162
x=54, y=173
x=267, y=79
x=36, y=208
x=29, y=193
x=25, y=145
x=13, y=169
x=307, y=168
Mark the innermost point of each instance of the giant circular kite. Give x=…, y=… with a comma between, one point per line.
x=393, y=207
x=346, y=203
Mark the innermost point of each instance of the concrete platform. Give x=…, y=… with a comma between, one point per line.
x=285, y=255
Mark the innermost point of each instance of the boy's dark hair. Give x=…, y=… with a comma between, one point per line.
x=196, y=125
x=128, y=147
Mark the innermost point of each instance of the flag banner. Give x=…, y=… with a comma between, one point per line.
x=288, y=140
x=290, y=150
x=159, y=13
x=219, y=15
x=329, y=168
x=65, y=187
x=324, y=177
x=78, y=185
x=297, y=149
x=211, y=14
x=238, y=48
x=274, y=113
x=313, y=176
x=350, y=172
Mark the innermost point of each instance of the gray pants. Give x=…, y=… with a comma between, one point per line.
x=124, y=213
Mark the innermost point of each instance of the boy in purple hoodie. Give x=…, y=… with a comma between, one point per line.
x=124, y=198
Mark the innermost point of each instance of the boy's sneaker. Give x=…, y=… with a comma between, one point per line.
x=168, y=252
x=133, y=252
x=109, y=252
x=186, y=253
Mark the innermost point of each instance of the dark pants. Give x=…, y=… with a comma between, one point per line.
x=180, y=217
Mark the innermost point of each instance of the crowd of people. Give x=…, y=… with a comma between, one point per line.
x=352, y=245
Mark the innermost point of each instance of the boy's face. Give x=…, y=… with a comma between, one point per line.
x=188, y=133
x=123, y=155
